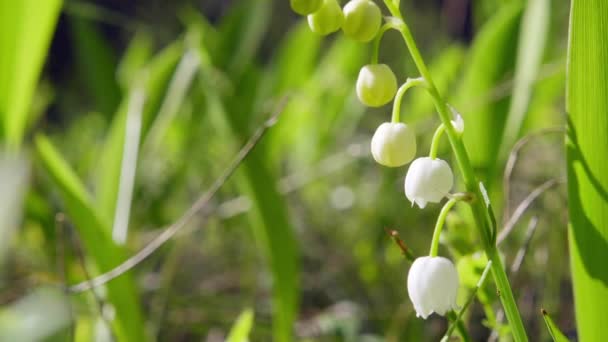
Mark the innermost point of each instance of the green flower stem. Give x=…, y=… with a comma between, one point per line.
x=435, y=142
x=409, y=83
x=481, y=214
x=439, y=225
x=377, y=39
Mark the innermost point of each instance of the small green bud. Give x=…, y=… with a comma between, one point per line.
x=376, y=85
x=362, y=20
x=305, y=7
x=327, y=19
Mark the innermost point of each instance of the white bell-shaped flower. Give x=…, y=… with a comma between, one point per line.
x=428, y=180
x=432, y=284
x=394, y=144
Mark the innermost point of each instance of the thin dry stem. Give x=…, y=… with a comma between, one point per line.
x=523, y=207
x=197, y=208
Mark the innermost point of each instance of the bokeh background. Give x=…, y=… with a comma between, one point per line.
x=299, y=233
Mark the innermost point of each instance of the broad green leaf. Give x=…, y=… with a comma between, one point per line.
x=241, y=328
x=587, y=147
x=490, y=62
x=26, y=28
x=532, y=37
x=554, y=331
x=94, y=231
x=232, y=114
x=269, y=221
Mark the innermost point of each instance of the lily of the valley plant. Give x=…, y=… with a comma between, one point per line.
x=433, y=280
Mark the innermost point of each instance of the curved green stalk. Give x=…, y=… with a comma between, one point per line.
x=411, y=82
x=435, y=141
x=439, y=225
x=481, y=213
x=376, y=46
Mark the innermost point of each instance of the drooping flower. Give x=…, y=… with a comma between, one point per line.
x=432, y=285
x=376, y=85
x=393, y=144
x=428, y=180
x=362, y=20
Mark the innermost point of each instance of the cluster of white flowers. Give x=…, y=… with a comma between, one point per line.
x=432, y=281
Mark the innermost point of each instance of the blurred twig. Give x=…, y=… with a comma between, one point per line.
x=404, y=249
x=196, y=208
x=521, y=253
x=523, y=206
x=510, y=165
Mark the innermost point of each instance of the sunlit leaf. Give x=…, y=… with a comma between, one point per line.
x=587, y=147
x=26, y=28
x=241, y=328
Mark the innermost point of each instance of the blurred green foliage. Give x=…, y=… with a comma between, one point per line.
x=297, y=236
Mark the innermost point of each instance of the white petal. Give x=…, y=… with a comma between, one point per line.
x=432, y=285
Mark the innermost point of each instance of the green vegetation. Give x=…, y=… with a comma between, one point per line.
x=121, y=124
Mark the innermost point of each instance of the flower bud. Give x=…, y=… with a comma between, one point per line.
x=394, y=144
x=305, y=7
x=362, y=20
x=432, y=284
x=428, y=180
x=327, y=19
x=376, y=85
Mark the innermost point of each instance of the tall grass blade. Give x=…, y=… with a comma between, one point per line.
x=489, y=63
x=532, y=38
x=270, y=224
x=95, y=233
x=155, y=78
x=554, y=331
x=587, y=148
x=26, y=28
x=96, y=65
x=241, y=328
x=128, y=166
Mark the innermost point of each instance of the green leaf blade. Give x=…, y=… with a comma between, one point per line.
x=490, y=62
x=94, y=231
x=26, y=29
x=587, y=147
x=241, y=328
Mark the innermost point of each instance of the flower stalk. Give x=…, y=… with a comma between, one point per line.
x=435, y=141
x=439, y=225
x=481, y=213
